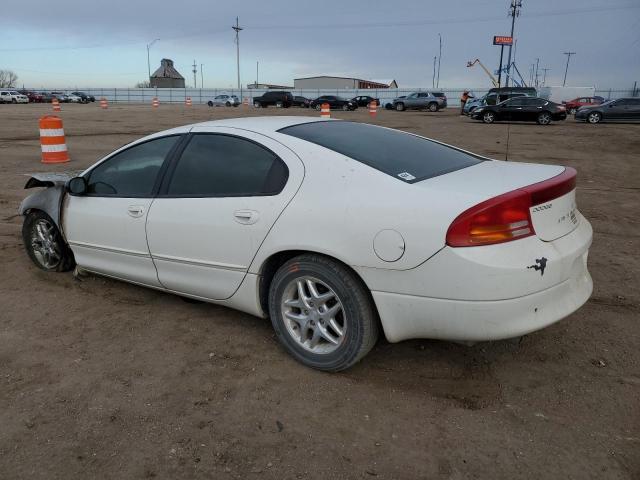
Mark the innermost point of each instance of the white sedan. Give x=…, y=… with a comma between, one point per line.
x=333, y=229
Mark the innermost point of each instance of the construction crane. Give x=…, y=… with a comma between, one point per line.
x=493, y=79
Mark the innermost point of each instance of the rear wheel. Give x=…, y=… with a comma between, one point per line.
x=572, y=111
x=278, y=104
x=544, y=118
x=594, y=117
x=345, y=107
x=322, y=313
x=210, y=103
x=228, y=104
x=44, y=243
x=488, y=117
x=400, y=107
x=318, y=107
x=256, y=104
x=433, y=107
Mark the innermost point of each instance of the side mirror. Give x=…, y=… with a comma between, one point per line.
x=77, y=186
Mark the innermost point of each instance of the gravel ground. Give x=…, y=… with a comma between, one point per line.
x=102, y=379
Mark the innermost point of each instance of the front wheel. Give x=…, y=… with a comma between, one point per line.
x=322, y=313
x=279, y=104
x=210, y=103
x=594, y=117
x=400, y=107
x=256, y=105
x=488, y=117
x=544, y=118
x=433, y=107
x=345, y=108
x=572, y=111
x=318, y=107
x=44, y=243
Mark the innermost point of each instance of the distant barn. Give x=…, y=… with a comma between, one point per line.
x=167, y=76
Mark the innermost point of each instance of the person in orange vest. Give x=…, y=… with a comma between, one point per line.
x=463, y=100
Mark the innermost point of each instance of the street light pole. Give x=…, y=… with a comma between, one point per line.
x=568, y=54
x=149, y=45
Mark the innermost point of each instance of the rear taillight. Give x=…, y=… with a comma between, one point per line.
x=507, y=217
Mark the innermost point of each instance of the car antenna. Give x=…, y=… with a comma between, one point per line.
x=506, y=153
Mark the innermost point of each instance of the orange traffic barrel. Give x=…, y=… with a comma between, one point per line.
x=373, y=108
x=325, y=110
x=103, y=103
x=245, y=101
x=155, y=102
x=55, y=104
x=52, y=142
x=187, y=102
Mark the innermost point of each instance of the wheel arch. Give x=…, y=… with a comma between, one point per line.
x=272, y=263
x=48, y=201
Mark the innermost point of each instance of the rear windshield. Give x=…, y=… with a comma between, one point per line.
x=438, y=94
x=404, y=156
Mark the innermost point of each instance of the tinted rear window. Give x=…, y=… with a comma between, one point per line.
x=438, y=94
x=399, y=154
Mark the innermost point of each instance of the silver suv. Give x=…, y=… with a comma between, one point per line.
x=420, y=100
x=224, y=100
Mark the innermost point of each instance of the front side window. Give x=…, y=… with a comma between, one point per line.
x=132, y=172
x=214, y=165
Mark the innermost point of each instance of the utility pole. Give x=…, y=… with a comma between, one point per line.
x=257, y=71
x=514, y=11
x=568, y=54
x=544, y=77
x=195, y=71
x=433, y=79
x=537, y=64
x=201, y=76
x=149, y=45
x=439, y=59
x=237, y=29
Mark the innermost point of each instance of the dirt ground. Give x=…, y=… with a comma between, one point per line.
x=102, y=379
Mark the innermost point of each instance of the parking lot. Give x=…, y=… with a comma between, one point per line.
x=103, y=379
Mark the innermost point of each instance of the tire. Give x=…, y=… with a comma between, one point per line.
x=228, y=104
x=345, y=108
x=594, y=117
x=400, y=107
x=256, y=105
x=44, y=243
x=432, y=107
x=544, y=118
x=279, y=104
x=355, y=314
x=13, y=100
x=572, y=111
x=318, y=107
x=210, y=103
x=488, y=117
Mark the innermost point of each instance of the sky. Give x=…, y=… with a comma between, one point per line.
x=86, y=44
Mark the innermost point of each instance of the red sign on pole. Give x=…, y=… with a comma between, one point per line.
x=502, y=40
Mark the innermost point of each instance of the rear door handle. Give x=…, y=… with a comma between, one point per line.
x=246, y=217
x=135, y=210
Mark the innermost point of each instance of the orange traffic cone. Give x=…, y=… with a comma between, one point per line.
x=103, y=103
x=155, y=103
x=187, y=102
x=52, y=142
x=56, y=105
x=373, y=108
x=325, y=110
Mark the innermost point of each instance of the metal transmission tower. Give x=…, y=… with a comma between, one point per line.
x=237, y=28
x=195, y=71
x=514, y=11
x=568, y=54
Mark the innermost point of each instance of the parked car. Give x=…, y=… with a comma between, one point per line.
x=276, y=98
x=572, y=106
x=335, y=103
x=17, y=97
x=420, y=101
x=364, y=100
x=5, y=96
x=497, y=95
x=72, y=98
x=420, y=240
x=522, y=109
x=62, y=97
x=302, y=102
x=33, y=97
x=224, y=100
x=86, y=98
x=620, y=109
x=46, y=97
x=388, y=104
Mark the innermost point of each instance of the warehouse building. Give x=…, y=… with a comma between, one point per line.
x=267, y=86
x=166, y=76
x=327, y=82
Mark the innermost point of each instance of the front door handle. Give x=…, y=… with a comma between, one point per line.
x=246, y=217
x=135, y=210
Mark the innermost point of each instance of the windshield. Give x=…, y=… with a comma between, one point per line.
x=402, y=155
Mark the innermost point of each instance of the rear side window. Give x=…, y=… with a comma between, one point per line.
x=407, y=157
x=214, y=165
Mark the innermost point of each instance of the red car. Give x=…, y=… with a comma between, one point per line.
x=32, y=96
x=576, y=103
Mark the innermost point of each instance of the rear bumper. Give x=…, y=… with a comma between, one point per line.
x=485, y=293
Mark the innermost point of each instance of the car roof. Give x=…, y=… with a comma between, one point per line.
x=260, y=124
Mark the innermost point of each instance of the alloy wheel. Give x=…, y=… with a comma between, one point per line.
x=44, y=244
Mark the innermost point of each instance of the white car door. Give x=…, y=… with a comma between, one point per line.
x=105, y=227
x=216, y=206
